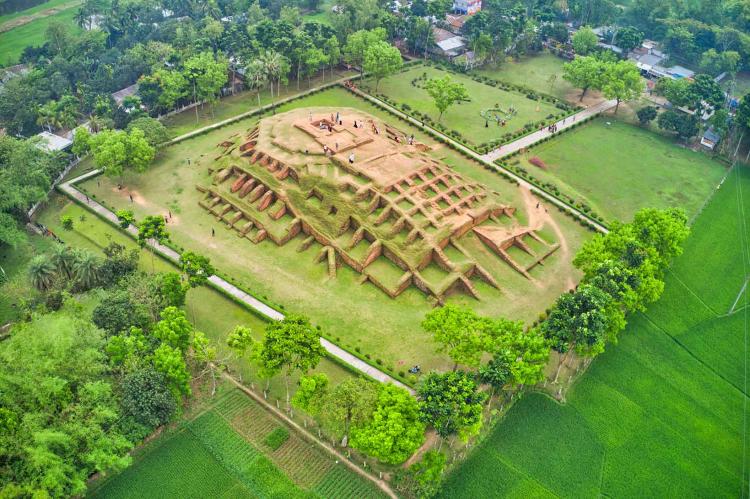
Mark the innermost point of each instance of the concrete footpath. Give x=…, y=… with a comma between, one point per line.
x=68, y=188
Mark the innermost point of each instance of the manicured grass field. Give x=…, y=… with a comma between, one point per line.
x=218, y=454
x=617, y=168
x=32, y=34
x=355, y=315
x=658, y=415
x=465, y=117
x=534, y=72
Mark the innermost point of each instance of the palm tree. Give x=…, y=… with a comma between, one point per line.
x=47, y=115
x=42, y=272
x=272, y=65
x=64, y=260
x=86, y=269
x=255, y=76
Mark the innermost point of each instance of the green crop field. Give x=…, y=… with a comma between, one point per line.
x=661, y=413
x=32, y=34
x=357, y=316
x=535, y=72
x=616, y=168
x=50, y=4
x=465, y=117
x=212, y=456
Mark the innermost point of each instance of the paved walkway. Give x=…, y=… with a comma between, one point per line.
x=480, y=158
x=532, y=138
x=334, y=351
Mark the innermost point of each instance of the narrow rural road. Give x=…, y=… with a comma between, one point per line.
x=480, y=158
x=68, y=188
x=532, y=138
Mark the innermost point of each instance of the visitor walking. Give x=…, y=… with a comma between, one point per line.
x=213, y=232
x=351, y=159
x=131, y=197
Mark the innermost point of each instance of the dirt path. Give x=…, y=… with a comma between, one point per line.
x=20, y=21
x=430, y=438
x=538, y=217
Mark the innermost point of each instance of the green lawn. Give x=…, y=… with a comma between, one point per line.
x=661, y=413
x=355, y=315
x=321, y=15
x=534, y=72
x=32, y=34
x=242, y=102
x=617, y=168
x=465, y=117
x=221, y=453
x=740, y=86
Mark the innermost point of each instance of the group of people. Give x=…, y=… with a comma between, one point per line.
x=552, y=128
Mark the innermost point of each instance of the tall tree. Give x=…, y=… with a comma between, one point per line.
x=152, y=229
x=394, y=430
x=349, y=404
x=584, y=73
x=358, y=43
x=584, y=41
x=290, y=345
x=450, y=403
x=622, y=81
x=445, y=93
x=382, y=59
x=459, y=332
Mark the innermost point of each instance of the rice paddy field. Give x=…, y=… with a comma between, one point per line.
x=662, y=413
x=221, y=453
x=617, y=168
x=465, y=117
x=359, y=317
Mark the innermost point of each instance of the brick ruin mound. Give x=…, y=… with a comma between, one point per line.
x=374, y=199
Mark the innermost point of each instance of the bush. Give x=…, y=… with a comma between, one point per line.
x=276, y=438
x=67, y=222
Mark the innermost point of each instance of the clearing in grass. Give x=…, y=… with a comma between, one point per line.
x=616, y=168
x=671, y=392
x=354, y=313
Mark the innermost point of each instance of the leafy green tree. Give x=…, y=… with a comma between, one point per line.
x=170, y=362
x=171, y=289
x=196, y=267
x=153, y=130
x=357, y=44
x=496, y=373
x=585, y=73
x=146, y=400
x=705, y=89
x=125, y=217
x=81, y=141
x=206, y=76
x=584, y=41
x=205, y=355
x=526, y=354
x=450, y=403
x=332, y=50
x=677, y=92
x=622, y=81
x=290, y=345
x=382, y=59
x=646, y=115
x=128, y=350
x=394, y=431
x=311, y=393
x=240, y=340
x=61, y=412
x=629, y=38
x=115, y=150
x=445, y=93
x=152, y=228
x=684, y=125
x=349, y=404
x=173, y=329
x=117, y=312
x=459, y=332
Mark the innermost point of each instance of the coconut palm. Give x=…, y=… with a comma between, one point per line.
x=255, y=76
x=47, y=115
x=86, y=269
x=42, y=272
x=272, y=65
x=64, y=260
